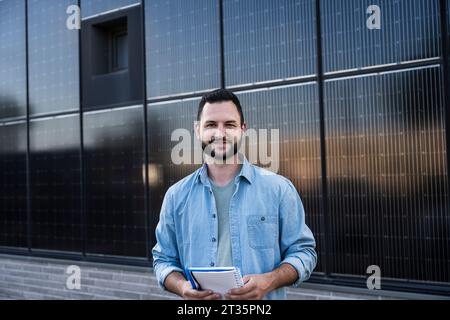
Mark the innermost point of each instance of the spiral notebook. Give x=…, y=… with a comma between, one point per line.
x=217, y=279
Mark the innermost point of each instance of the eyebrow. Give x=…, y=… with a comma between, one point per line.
x=228, y=121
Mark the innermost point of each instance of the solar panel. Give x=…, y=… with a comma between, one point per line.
x=268, y=40
x=182, y=46
x=114, y=187
x=13, y=184
x=55, y=183
x=52, y=58
x=387, y=175
x=409, y=31
x=293, y=110
x=12, y=59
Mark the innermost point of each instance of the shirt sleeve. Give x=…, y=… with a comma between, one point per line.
x=165, y=253
x=296, y=239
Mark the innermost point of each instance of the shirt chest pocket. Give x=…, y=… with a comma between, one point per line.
x=262, y=231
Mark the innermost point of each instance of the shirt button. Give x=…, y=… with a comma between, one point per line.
x=263, y=218
x=214, y=216
x=213, y=239
x=212, y=264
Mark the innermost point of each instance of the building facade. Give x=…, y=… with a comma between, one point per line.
x=357, y=89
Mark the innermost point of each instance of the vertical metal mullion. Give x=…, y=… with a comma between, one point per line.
x=82, y=167
x=320, y=82
x=29, y=221
x=149, y=226
x=222, y=45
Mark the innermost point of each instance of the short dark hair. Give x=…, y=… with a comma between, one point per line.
x=220, y=95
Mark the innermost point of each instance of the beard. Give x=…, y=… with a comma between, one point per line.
x=208, y=148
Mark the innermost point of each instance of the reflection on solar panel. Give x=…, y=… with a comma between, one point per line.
x=163, y=119
x=386, y=164
x=114, y=157
x=55, y=183
x=13, y=186
x=294, y=111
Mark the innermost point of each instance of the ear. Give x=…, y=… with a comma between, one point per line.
x=244, y=127
x=197, y=129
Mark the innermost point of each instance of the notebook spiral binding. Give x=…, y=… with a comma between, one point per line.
x=238, y=278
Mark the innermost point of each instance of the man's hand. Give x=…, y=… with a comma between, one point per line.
x=177, y=283
x=256, y=286
x=188, y=293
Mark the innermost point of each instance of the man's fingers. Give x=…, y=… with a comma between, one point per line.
x=204, y=295
x=214, y=296
x=248, y=287
x=247, y=296
x=198, y=294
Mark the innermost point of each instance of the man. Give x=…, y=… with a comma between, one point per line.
x=232, y=213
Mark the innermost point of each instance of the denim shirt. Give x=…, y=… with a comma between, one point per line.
x=267, y=226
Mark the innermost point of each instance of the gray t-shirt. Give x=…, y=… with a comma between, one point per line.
x=223, y=195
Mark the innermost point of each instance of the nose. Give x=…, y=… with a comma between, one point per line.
x=220, y=132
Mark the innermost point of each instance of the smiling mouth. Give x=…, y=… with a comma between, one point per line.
x=224, y=144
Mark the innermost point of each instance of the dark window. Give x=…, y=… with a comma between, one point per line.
x=110, y=46
x=112, y=59
x=119, y=50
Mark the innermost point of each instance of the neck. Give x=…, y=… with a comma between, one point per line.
x=222, y=173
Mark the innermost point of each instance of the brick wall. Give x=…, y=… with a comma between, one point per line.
x=23, y=277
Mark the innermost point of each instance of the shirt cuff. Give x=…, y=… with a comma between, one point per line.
x=165, y=272
x=301, y=270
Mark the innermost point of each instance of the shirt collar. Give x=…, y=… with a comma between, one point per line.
x=246, y=172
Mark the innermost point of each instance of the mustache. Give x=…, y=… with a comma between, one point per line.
x=224, y=140
x=207, y=146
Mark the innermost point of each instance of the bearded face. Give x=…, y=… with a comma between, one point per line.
x=220, y=130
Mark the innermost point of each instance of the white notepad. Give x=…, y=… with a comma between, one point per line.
x=217, y=279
